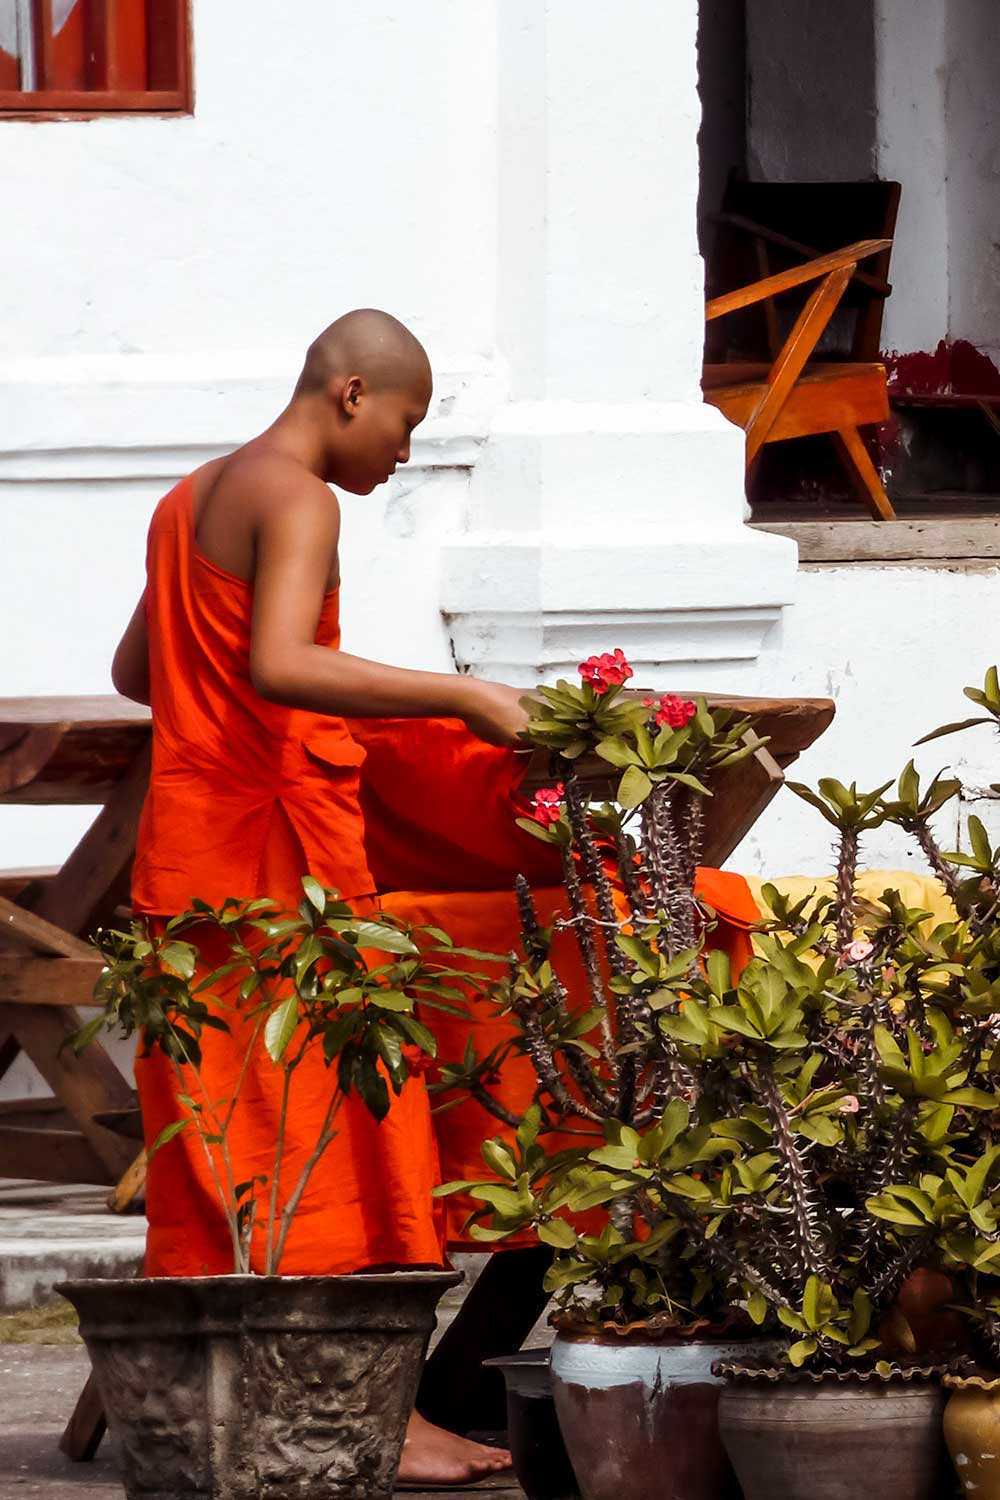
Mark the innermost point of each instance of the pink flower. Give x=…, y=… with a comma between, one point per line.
x=849, y=1105
x=546, y=804
x=417, y=1061
x=675, y=711
x=856, y=953
x=605, y=671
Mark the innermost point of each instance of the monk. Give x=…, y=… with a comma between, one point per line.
x=235, y=644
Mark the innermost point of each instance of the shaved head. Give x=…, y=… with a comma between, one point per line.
x=369, y=343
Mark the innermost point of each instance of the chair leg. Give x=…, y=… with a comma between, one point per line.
x=86, y=1427
x=864, y=475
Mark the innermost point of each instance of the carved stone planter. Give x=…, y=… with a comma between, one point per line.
x=259, y=1388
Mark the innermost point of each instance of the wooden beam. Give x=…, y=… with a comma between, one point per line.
x=24, y=929
x=87, y=1426
x=50, y=1156
x=48, y=981
x=89, y=885
x=86, y=1084
x=771, y=286
x=44, y=45
x=969, y=538
x=101, y=52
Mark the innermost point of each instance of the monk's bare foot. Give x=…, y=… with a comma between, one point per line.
x=433, y=1456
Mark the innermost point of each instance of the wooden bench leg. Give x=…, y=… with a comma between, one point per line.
x=87, y=1426
x=864, y=475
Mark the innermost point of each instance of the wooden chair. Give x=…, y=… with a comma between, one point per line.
x=790, y=397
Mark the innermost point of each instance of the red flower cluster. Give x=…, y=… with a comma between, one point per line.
x=546, y=804
x=673, y=710
x=609, y=670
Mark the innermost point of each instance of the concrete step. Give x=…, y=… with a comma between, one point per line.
x=53, y=1233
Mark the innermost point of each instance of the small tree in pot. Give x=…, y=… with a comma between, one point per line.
x=211, y=1383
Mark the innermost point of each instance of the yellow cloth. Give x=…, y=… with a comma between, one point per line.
x=916, y=890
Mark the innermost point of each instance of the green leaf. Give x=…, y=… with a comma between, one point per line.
x=315, y=893
x=757, y=1307
x=799, y=1352
x=387, y=939
x=167, y=1134
x=634, y=787
x=558, y=1233
x=950, y=729
x=391, y=1000
x=181, y=957
x=280, y=1028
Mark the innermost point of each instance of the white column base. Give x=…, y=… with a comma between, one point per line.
x=595, y=526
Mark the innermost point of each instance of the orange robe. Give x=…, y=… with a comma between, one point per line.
x=244, y=797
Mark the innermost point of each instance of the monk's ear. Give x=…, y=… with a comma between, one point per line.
x=351, y=392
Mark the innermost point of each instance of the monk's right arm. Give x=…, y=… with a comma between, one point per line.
x=294, y=546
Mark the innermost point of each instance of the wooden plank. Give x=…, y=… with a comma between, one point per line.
x=92, y=881
x=87, y=1426
x=825, y=398
x=863, y=473
x=85, y=1085
x=972, y=538
x=50, y=1156
x=12, y=882
x=783, y=281
x=101, y=32
x=131, y=1185
x=93, y=101
x=44, y=45
x=168, y=46
x=23, y=928
x=48, y=981
x=68, y=750
x=796, y=350
x=875, y=284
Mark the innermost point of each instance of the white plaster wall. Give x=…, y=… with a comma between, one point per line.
x=973, y=70
x=164, y=277
x=894, y=646
x=910, y=50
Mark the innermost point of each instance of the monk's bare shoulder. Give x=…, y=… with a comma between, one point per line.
x=262, y=496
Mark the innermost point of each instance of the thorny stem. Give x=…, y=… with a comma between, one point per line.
x=618, y=964
x=894, y=1145
x=808, y=1253
x=537, y=953
x=544, y=1064
x=630, y=878
x=584, y=932
x=945, y=872
x=847, y=869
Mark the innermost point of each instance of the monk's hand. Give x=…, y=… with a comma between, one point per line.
x=495, y=712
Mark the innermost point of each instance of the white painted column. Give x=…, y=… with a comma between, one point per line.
x=607, y=509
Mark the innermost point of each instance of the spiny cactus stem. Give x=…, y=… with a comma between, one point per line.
x=544, y=1064
x=809, y=1254
x=945, y=872
x=847, y=869
x=630, y=878
x=579, y=1068
x=534, y=943
x=584, y=932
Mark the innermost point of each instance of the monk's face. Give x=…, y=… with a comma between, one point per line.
x=376, y=436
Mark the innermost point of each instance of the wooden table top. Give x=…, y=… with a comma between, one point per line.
x=75, y=750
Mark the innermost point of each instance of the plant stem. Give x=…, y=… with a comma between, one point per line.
x=847, y=869
x=272, y=1208
x=326, y=1135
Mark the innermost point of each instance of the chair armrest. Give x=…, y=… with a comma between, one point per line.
x=757, y=231
x=812, y=270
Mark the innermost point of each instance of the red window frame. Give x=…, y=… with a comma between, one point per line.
x=111, y=58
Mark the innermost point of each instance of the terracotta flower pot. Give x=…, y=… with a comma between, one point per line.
x=639, y=1415
x=541, y=1464
x=824, y=1439
x=259, y=1388
x=972, y=1432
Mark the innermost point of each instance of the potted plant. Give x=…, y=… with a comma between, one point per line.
x=615, y=1165
x=239, y=1386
